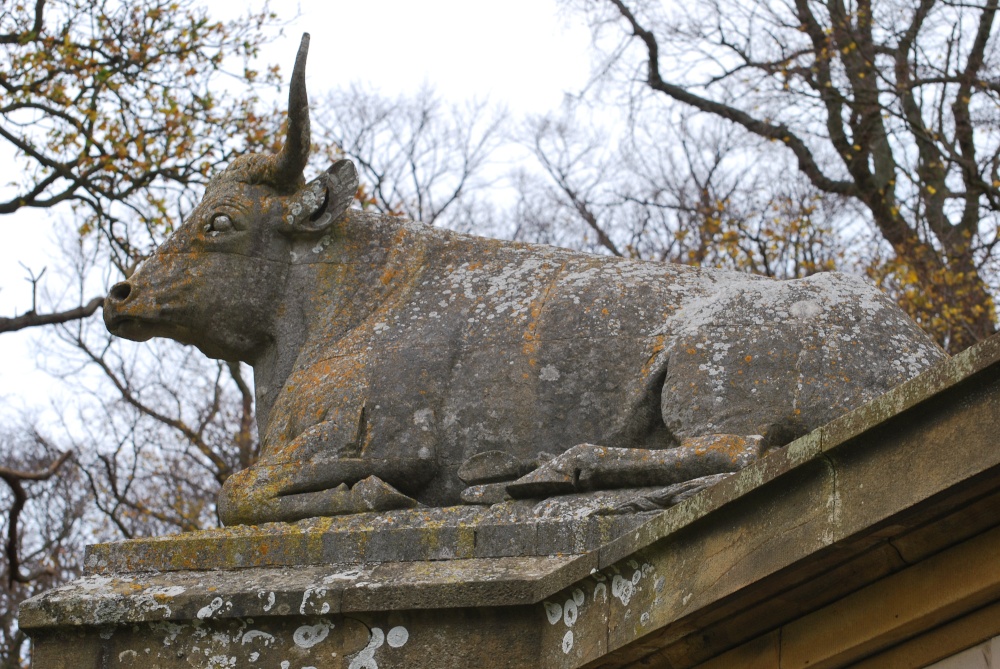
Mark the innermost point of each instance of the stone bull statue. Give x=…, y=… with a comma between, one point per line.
x=398, y=364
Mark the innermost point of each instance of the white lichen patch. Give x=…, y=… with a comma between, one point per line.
x=309, y=592
x=553, y=612
x=601, y=590
x=622, y=589
x=308, y=636
x=221, y=639
x=352, y=574
x=151, y=599
x=168, y=630
x=94, y=583
x=424, y=419
x=549, y=373
x=253, y=635
x=365, y=659
x=270, y=599
x=213, y=607
x=804, y=309
x=570, y=612
x=397, y=636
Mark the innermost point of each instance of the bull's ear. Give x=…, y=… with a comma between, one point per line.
x=342, y=186
x=324, y=200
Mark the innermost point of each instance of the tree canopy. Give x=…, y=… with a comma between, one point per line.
x=887, y=104
x=118, y=108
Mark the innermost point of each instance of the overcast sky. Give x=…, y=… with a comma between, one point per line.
x=520, y=53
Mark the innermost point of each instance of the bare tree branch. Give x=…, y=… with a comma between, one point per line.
x=14, y=38
x=14, y=480
x=30, y=319
x=891, y=106
x=775, y=132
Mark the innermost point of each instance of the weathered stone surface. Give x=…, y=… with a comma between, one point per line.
x=664, y=498
x=773, y=549
x=388, y=351
x=590, y=467
x=491, y=467
x=486, y=493
x=794, y=536
x=572, y=524
x=302, y=590
x=457, y=640
x=793, y=349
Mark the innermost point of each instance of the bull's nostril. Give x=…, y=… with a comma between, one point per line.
x=120, y=291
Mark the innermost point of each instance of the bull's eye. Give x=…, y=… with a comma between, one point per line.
x=220, y=223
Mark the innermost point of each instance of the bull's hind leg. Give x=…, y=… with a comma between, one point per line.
x=288, y=492
x=588, y=467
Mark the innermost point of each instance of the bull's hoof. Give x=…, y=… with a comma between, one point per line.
x=486, y=494
x=374, y=494
x=543, y=482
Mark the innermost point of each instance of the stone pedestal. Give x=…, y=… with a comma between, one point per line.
x=454, y=587
x=471, y=613
x=863, y=538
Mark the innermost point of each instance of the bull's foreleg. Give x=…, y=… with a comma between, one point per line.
x=318, y=487
x=589, y=467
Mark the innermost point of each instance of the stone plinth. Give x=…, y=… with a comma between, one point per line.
x=795, y=557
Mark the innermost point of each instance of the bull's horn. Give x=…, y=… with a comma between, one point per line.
x=291, y=161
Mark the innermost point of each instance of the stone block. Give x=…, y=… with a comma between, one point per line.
x=506, y=539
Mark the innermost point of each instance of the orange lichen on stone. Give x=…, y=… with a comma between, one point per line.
x=387, y=276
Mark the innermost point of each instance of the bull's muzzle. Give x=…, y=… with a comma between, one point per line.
x=116, y=316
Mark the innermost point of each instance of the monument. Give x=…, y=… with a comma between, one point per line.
x=398, y=365
x=465, y=441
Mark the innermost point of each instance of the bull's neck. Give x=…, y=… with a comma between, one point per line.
x=328, y=301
